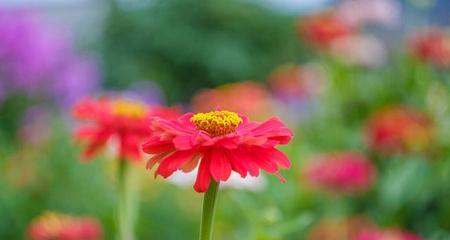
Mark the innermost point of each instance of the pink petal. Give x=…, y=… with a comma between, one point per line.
x=220, y=167
x=203, y=175
x=171, y=163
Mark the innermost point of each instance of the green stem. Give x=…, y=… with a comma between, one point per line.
x=209, y=204
x=125, y=219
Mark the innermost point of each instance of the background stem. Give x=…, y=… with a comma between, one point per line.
x=125, y=218
x=209, y=204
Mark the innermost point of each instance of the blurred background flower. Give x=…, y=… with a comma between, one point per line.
x=58, y=226
x=340, y=172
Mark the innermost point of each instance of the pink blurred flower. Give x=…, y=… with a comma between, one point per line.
x=362, y=12
x=356, y=228
x=399, y=129
x=55, y=226
x=431, y=46
x=386, y=234
x=340, y=172
x=248, y=98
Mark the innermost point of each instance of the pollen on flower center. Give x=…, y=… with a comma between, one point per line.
x=217, y=123
x=128, y=108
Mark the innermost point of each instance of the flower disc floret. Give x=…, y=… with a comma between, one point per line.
x=128, y=108
x=217, y=123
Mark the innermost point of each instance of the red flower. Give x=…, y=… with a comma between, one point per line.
x=431, y=46
x=126, y=120
x=398, y=129
x=53, y=226
x=322, y=29
x=248, y=98
x=386, y=234
x=220, y=142
x=356, y=228
x=343, y=172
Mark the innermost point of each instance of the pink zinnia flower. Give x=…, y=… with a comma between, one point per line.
x=126, y=120
x=57, y=226
x=386, y=234
x=219, y=142
x=343, y=172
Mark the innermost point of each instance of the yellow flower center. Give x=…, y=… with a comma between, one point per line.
x=217, y=123
x=128, y=108
x=53, y=223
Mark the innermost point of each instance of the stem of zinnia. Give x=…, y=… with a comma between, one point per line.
x=125, y=219
x=209, y=204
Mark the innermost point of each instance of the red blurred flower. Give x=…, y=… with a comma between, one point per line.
x=386, y=234
x=431, y=46
x=296, y=82
x=220, y=142
x=248, y=98
x=126, y=120
x=322, y=29
x=342, y=172
x=54, y=226
x=356, y=228
x=398, y=129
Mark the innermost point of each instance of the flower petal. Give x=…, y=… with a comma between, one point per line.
x=171, y=163
x=203, y=175
x=220, y=167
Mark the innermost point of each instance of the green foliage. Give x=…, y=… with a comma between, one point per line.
x=187, y=45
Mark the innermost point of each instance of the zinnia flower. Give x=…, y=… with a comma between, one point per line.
x=399, y=129
x=248, y=98
x=126, y=120
x=356, y=228
x=322, y=29
x=54, y=226
x=431, y=46
x=342, y=172
x=219, y=142
x=386, y=234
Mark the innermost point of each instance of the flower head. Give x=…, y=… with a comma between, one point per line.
x=322, y=29
x=386, y=234
x=57, y=226
x=431, y=46
x=219, y=142
x=249, y=98
x=124, y=119
x=342, y=172
x=399, y=129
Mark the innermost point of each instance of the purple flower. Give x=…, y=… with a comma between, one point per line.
x=39, y=59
